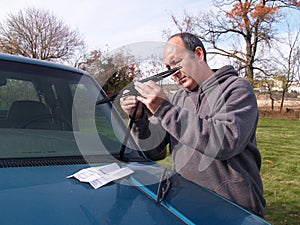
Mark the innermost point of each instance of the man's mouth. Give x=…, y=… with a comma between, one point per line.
x=181, y=78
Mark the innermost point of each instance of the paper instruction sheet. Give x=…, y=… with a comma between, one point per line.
x=99, y=176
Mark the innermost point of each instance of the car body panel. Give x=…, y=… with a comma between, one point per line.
x=43, y=195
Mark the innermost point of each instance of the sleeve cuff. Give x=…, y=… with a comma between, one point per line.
x=163, y=109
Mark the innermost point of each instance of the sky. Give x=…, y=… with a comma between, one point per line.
x=112, y=23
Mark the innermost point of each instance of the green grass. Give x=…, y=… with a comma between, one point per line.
x=279, y=143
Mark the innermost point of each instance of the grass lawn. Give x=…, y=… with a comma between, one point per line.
x=279, y=143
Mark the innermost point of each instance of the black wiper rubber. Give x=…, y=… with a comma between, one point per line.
x=164, y=186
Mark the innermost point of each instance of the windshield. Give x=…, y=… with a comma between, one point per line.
x=49, y=112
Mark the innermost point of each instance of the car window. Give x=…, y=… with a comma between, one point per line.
x=51, y=112
x=21, y=89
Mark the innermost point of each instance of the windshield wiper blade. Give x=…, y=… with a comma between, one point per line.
x=130, y=87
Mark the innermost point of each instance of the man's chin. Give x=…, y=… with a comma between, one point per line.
x=188, y=86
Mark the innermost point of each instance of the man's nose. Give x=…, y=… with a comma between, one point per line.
x=177, y=75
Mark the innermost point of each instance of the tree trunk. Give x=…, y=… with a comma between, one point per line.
x=282, y=99
x=249, y=74
x=272, y=101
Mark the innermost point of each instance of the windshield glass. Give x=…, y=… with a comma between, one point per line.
x=49, y=112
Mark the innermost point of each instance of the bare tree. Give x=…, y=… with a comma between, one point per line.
x=112, y=70
x=238, y=29
x=39, y=34
x=282, y=64
x=266, y=79
x=288, y=59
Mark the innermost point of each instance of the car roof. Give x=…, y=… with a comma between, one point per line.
x=38, y=62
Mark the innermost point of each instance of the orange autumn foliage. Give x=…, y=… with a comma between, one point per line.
x=245, y=12
x=296, y=3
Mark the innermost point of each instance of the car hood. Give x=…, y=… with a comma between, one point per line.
x=43, y=195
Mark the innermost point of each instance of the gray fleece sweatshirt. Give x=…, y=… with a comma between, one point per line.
x=212, y=135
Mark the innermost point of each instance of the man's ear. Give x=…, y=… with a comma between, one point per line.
x=199, y=53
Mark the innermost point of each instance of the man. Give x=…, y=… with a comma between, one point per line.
x=210, y=124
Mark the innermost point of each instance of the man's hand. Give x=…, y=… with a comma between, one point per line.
x=128, y=104
x=152, y=95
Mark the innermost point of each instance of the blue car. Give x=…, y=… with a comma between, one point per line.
x=52, y=129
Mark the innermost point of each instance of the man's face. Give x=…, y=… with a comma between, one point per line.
x=175, y=54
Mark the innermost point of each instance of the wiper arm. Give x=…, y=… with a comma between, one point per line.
x=127, y=134
x=164, y=186
x=112, y=97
